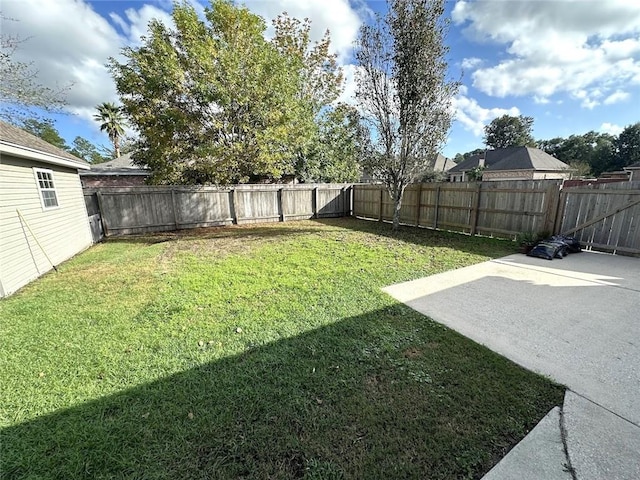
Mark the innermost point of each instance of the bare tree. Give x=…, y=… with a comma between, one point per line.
x=19, y=86
x=403, y=90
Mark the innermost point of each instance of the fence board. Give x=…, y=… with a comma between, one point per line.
x=603, y=217
x=501, y=209
x=142, y=209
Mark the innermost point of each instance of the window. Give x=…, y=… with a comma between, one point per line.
x=48, y=195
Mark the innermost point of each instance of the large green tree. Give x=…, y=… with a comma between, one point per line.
x=403, y=90
x=212, y=100
x=330, y=151
x=46, y=130
x=112, y=122
x=509, y=131
x=315, y=69
x=342, y=142
x=588, y=154
x=628, y=145
x=83, y=148
x=461, y=157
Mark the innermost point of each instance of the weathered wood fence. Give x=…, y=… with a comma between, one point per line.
x=128, y=210
x=603, y=217
x=500, y=209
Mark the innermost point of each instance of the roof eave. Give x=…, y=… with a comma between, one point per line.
x=96, y=173
x=32, y=154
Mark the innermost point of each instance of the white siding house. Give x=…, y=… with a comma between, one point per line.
x=42, y=209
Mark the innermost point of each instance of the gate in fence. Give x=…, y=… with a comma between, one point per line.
x=603, y=217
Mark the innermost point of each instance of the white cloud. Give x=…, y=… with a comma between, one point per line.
x=68, y=43
x=615, y=97
x=135, y=25
x=349, y=92
x=473, y=117
x=471, y=62
x=611, y=128
x=585, y=48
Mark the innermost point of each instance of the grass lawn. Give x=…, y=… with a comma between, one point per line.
x=262, y=351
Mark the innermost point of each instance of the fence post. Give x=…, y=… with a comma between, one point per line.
x=105, y=228
x=419, y=205
x=280, y=203
x=175, y=208
x=314, y=202
x=380, y=209
x=436, y=208
x=475, y=208
x=562, y=202
x=234, y=200
x=345, y=206
x=351, y=199
x=551, y=211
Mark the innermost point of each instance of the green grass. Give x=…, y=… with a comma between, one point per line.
x=255, y=352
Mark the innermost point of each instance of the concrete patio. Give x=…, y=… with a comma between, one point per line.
x=575, y=320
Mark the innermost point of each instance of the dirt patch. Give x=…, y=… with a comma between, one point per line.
x=412, y=353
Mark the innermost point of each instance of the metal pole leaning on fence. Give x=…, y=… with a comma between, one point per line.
x=24, y=220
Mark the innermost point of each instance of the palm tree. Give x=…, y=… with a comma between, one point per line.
x=112, y=122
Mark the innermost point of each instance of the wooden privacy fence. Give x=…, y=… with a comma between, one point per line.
x=500, y=209
x=603, y=217
x=128, y=210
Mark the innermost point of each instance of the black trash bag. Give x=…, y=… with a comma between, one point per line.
x=573, y=245
x=548, y=250
x=563, y=248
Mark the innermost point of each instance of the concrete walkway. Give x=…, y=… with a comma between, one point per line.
x=576, y=320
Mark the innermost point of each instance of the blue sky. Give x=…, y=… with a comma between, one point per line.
x=572, y=65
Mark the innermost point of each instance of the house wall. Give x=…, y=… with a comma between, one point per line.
x=62, y=232
x=557, y=175
x=524, y=175
x=95, y=181
x=508, y=175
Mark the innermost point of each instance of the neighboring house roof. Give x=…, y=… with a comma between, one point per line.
x=119, y=166
x=490, y=157
x=17, y=142
x=633, y=166
x=512, y=158
x=442, y=164
x=527, y=158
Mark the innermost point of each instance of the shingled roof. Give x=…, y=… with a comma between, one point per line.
x=16, y=141
x=118, y=166
x=527, y=158
x=512, y=158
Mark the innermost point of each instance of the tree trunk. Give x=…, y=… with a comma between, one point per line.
x=396, y=194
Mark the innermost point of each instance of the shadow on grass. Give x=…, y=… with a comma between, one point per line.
x=492, y=247
x=385, y=394
x=256, y=231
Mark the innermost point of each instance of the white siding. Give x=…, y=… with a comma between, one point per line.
x=62, y=231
